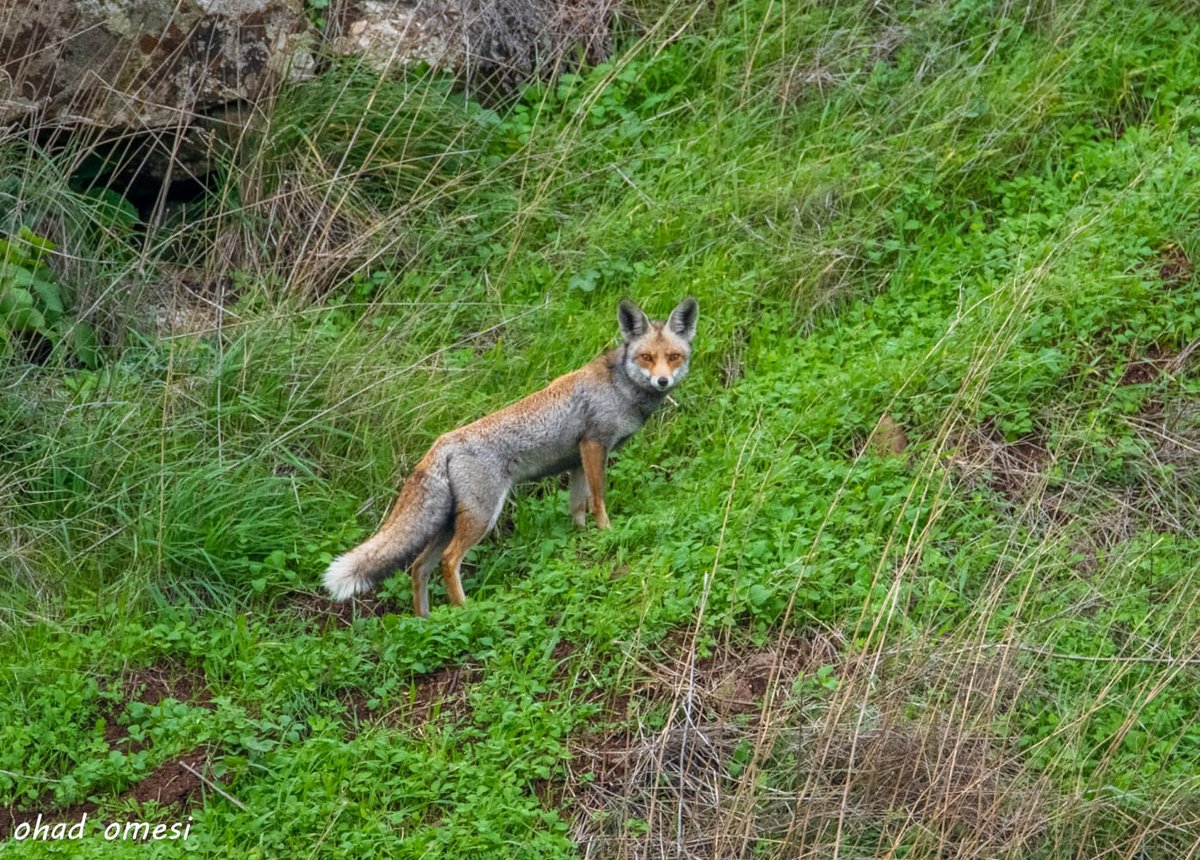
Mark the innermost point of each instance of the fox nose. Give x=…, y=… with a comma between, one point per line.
x=663, y=382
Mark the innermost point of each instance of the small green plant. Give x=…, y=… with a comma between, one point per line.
x=32, y=306
x=316, y=11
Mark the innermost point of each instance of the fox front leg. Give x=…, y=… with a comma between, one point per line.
x=593, y=456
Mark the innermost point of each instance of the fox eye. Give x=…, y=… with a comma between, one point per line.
x=645, y=356
x=674, y=357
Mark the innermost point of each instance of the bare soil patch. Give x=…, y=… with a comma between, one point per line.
x=733, y=679
x=175, y=784
x=1013, y=469
x=159, y=681
x=1154, y=363
x=150, y=685
x=1174, y=267
x=740, y=679
x=1147, y=368
x=443, y=693
x=170, y=784
x=444, y=690
x=318, y=612
x=10, y=818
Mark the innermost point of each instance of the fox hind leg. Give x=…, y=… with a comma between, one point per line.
x=480, y=492
x=469, y=530
x=581, y=497
x=423, y=567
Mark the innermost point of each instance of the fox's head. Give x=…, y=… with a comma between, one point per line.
x=656, y=352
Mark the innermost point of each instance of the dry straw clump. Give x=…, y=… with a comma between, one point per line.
x=1014, y=469
x=669, y=792
x=510, y=41
x=764, y=753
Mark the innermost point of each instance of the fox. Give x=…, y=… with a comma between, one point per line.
x=454, y=495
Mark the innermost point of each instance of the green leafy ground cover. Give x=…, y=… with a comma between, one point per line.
x=909, y=568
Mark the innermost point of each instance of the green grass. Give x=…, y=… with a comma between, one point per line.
x=967, y=219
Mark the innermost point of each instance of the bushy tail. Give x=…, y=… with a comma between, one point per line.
x=422, y=510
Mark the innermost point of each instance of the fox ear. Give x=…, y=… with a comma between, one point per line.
x=633, y=322
x=682, y=320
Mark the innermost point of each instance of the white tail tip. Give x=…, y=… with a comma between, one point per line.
x=341, y=581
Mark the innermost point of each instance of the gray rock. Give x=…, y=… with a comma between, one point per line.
x=144, y=64
x=504, y=41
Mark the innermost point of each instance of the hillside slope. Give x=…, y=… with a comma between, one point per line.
x=907, y=569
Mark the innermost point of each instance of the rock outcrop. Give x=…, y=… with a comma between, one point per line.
x=502, y=41
x=155, y=64
x=144, y=64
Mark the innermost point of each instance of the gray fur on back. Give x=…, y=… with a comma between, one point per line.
x=533, y=442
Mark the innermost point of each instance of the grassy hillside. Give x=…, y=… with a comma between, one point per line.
x=908, y=567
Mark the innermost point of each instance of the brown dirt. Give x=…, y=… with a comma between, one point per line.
x=116, y=737
x=151, y=685
x=888, y=439
x=1013, y=469
x=169, y=785
x=358, y=709
x=732, y=680
x=442, y=693
x=1174, y=267
x=321, y=613
x=1147, y=368
x=10, y=818
x=446, y=688
x=736, y=678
